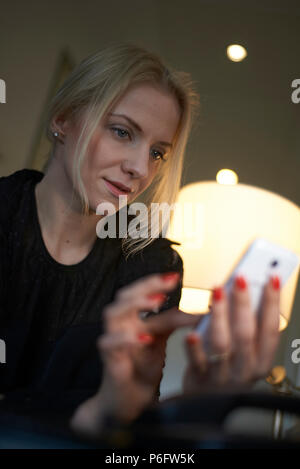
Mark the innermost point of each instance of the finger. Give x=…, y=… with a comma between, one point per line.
x=154, y=283
x=117, y=313
x=217, y=371
x=151, y=358
x=139, y=296
x=195, y=353
x=218, y=335
x=168, y=321
x=243, y=327
x=123, y=340
x=116, y=351
x=268, y=330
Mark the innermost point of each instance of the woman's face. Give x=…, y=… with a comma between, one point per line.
x=128, y=147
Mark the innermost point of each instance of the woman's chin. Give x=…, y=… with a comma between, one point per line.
x=104, y=206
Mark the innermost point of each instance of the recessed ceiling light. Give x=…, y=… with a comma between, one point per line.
x=227, y=176
x=236, y=53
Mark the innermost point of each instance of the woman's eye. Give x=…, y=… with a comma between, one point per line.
x=122, y=133
x=158, y=155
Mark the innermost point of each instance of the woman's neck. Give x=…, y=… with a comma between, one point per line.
x=67, y=233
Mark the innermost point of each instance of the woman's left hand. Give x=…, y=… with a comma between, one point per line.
x=240, y=346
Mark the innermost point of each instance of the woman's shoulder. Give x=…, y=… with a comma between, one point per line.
x=13, y=182
x=157, y=257
x=12, y=190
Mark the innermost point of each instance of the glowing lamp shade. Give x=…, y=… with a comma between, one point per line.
x=215, y=224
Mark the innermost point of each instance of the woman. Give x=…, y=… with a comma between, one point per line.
x=71, y=301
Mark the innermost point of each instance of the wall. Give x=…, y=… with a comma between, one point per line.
x=247, y=121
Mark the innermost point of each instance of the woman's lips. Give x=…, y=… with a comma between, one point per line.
x=114, y=189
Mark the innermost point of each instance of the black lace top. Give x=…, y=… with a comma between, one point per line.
x=50, y=313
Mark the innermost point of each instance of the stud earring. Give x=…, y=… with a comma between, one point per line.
x=56, y=134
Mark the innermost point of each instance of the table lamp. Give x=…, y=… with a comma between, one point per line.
x=215, y=223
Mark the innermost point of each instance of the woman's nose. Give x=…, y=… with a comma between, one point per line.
x=137, y=164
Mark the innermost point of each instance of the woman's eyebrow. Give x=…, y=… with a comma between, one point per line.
x=137, y=127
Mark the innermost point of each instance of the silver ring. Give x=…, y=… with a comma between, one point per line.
x=218, y=357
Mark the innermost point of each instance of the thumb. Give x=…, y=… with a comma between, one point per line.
x=169, y=320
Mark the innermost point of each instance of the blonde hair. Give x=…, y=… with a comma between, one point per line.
x=95, y=85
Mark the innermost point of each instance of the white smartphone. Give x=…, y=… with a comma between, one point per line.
x=261, y=260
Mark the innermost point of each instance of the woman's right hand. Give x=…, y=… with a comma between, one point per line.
x=132, y=351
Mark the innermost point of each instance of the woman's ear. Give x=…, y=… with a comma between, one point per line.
x=60, y=124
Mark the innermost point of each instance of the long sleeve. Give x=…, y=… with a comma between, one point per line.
x=158, y=257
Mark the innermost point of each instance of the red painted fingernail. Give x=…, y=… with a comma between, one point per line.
x=145, y=338
x=170, y=276
x=240, y=282
x=192, y=339
x=159, y=297
x=276, y=282
x=218, y=293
